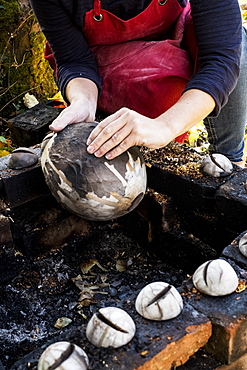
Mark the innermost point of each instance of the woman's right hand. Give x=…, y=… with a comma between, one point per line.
x=82, y=95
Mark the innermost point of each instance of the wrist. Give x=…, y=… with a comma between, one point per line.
x=80, y=89
x=169, y=127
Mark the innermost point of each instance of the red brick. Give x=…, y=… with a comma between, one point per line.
x=240, y=364
x=229, y=319
x=178, y=352
x=228, y=342
x=207, y=228
x=160, y=345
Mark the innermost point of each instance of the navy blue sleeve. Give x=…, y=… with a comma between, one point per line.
x=73, y=56
x=218, y=31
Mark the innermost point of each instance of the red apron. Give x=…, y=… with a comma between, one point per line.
x=146, y=61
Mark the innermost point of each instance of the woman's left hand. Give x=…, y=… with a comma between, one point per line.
x=123, y=129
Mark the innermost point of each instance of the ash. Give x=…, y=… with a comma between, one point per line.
x=107, y=268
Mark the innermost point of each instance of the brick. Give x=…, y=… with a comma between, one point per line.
x=174, y=170
x=22, y=186
x=5, y=232
x=177, y=353
x=240, y=364
x=232, y=252
x=166, y=182
x=159, y=211
x=156, y=213
x=8, y=261
x=207, y=227
x=229, y=321
x=179, y=248
x=176, y=246
x=186, y=191
x=41, y=224
x=30, y=127
x=162, y=235
x=231, y=202
x=137, y=226
x=168, y=343
x=38, y=242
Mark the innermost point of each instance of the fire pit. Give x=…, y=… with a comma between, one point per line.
x=58, y=270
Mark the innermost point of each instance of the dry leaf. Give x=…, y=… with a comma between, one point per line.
x=121, y=265
x=88, y=265
x=103, y=278
x=86, y=302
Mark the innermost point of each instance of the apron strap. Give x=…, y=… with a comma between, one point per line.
x=97, y=10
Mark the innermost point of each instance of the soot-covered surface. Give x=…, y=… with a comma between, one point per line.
x=49, y=288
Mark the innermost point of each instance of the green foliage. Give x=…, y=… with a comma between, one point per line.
x=9, y=11
x=22, y=65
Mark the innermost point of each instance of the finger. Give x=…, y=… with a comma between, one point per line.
x=64, y=119
x=116, y=139
x=103, y=125
x=106, y=138
x=106, y=122
x=121, y=148
x=59, y=125
x=95, y=132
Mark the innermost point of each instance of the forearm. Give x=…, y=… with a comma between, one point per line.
x=191, y=108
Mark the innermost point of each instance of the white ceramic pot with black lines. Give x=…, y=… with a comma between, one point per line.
x=159, y=301
x=215, y=278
